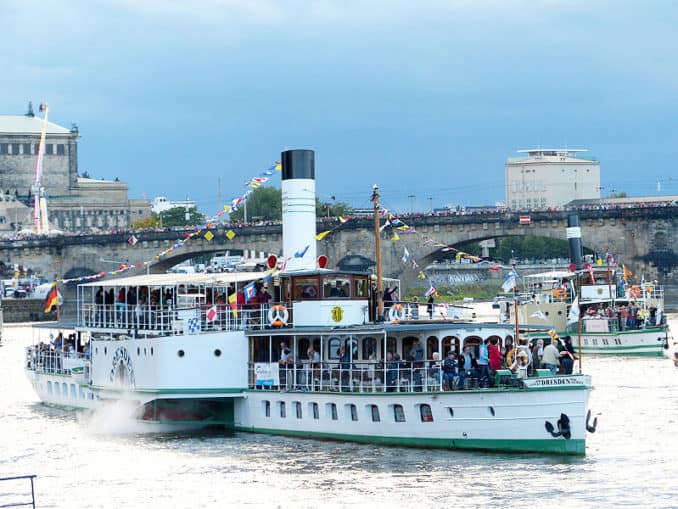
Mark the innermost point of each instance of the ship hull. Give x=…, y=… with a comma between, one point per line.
x=511, y=420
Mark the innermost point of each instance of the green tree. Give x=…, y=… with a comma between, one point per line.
x=177, y=217
x=620, y=194
x=331, y=209
x=265, y=203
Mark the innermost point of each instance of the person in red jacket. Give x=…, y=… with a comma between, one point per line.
x=494, y=355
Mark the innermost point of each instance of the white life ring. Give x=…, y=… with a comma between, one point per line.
x=278, y=315
x=396, y=313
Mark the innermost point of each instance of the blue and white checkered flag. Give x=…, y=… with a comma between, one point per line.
x=193, y=325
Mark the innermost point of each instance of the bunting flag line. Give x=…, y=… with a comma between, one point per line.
x=322, y=235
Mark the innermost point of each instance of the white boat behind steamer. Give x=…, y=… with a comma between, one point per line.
x=602, y=332
x=181, y=366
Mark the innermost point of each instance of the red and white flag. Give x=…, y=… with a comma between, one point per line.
x=132, y=240
x=211, y=314
x=525, y=219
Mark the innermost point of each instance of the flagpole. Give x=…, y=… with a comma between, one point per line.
x=578, y=323
x=516, y=342
x=377, y=246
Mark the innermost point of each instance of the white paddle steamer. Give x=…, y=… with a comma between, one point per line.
x=313, y=362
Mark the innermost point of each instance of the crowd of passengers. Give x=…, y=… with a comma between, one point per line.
x=627, y=316
x=48, y=356
x=139, y=307
x=473, y=367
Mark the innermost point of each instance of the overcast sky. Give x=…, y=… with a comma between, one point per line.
x=425, y=98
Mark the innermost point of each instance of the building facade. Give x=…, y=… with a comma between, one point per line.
x=546, y=178
x=74, y=202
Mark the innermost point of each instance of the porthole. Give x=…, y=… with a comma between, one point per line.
x=217, y=353
x=180, y=353
x=546, y=313
x=560, y=312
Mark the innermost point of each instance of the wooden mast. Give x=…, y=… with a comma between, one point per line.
x=377, y=247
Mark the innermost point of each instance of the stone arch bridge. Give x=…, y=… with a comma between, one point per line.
x=645, y=238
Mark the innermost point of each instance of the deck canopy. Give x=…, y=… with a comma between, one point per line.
x=208, y=279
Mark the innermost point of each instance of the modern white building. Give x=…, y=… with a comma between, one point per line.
x=543, y=178
x=161, y=204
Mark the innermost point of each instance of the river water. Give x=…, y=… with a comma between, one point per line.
x=632, y=460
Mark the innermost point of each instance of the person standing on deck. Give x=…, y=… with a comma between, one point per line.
x=483, y=364
x=551, y=357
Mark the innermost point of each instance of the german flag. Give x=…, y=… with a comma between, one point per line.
x=52, y=298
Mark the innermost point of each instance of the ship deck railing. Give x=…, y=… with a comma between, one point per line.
x=44, y=358
x=611, y=324
x=370, y=376
x=4, y=494
x=171, y=321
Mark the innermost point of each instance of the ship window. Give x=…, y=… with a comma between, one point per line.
x=491, y=409
x=297, y=409
x=352, y=411
x=49, y=149
x=369, y=348
x=267, y=408
x=60, y=149
x=282, y=409
x=332, y=411
x=336, y=288
x=334, y=344
x=374, y=410
x=398, y=413
x=305, y=288
x=451, y=410
x=4, y=148
x=314, y=411
x=49, y=387
x=138, y=351
x=15, y=149
x=361, y=288
x=425, y=412
x=27, y=148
